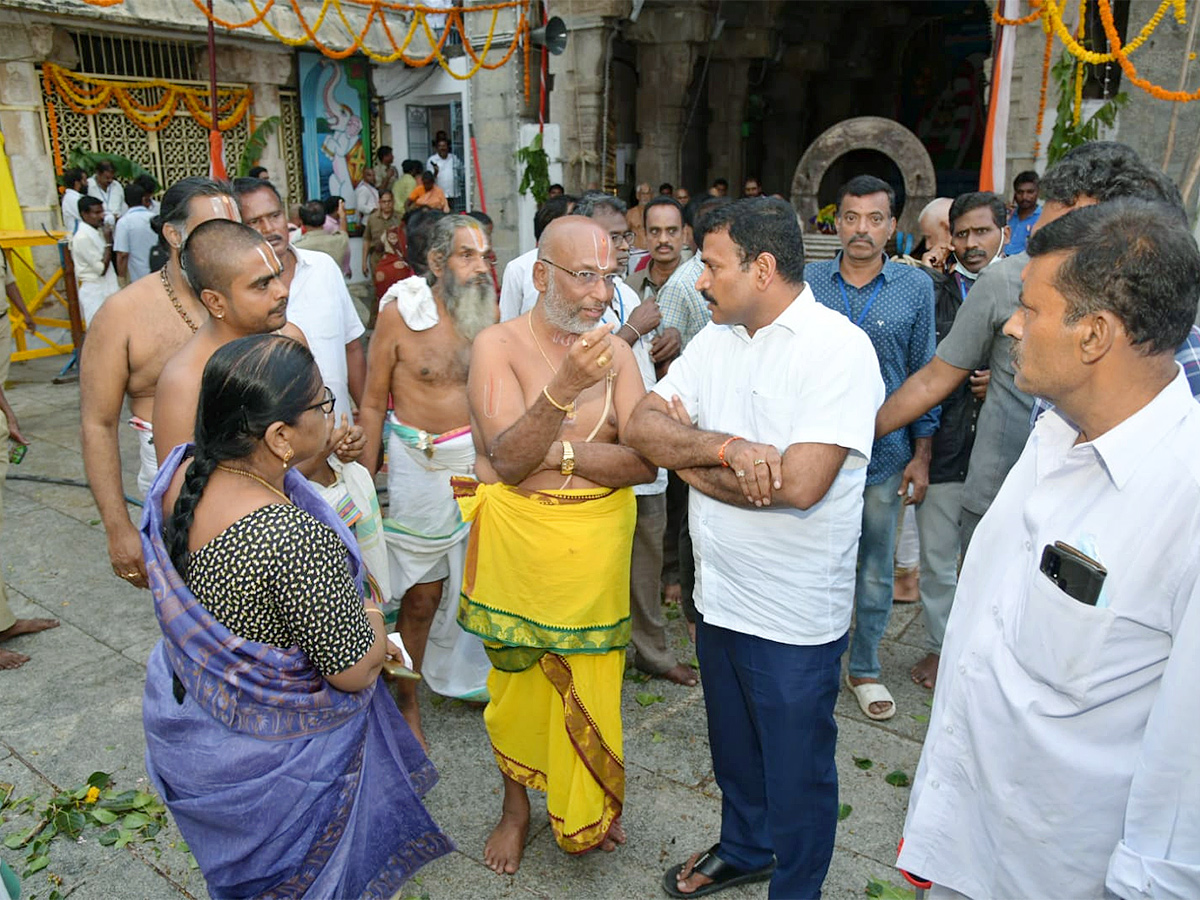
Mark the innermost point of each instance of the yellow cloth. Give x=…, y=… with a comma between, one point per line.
x=547, y=588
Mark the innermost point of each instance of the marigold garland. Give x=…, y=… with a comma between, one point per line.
x=1050, y=14
x=1041, y=113
x=376, y=11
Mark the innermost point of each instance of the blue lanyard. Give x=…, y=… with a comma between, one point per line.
x=841, y=283
x=620, y=312
x=963, y=286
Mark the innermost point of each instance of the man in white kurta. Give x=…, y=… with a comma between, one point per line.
x=91, y=251
x=1063, y=756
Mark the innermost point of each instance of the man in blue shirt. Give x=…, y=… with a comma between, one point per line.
x=893, y=304
x=1024, y=217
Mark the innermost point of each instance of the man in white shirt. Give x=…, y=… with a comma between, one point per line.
x=1062, y=757
x=318, y=302
x=105, y=188
x=517, y=293
x=447, y=169
x=769, y=416
x=635, y=321
x=366, y=196
x=134, y=238
x=91, y=252
x=76, y=183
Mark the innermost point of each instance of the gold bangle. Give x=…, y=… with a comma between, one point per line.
x=569, y=408
x=376, y=609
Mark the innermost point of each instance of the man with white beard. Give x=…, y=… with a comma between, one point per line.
x=419, y=353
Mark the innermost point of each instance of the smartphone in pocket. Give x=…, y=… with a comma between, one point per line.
x=1077, y=574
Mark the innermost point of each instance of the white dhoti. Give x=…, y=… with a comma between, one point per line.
x=427, y=541
x=92, y=294
x=149, y=460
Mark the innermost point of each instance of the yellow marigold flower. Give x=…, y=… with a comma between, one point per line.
x=93, y=795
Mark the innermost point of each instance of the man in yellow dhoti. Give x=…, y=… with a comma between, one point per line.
x=547, y=573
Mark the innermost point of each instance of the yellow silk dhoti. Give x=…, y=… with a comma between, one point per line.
x=547, y=588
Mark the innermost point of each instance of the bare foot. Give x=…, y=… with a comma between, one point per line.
x=925, y=672
x=27, y=626
x=11, y=660
x=680, y=674
x=615, y=836
x=672, y=594
x=506, y=844
x=405, y=692
x=879, y=707
x=687, y=882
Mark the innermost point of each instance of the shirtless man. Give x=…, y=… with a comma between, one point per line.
x=318, y=302
x=547, y=583
x=419, y=354
x=237, y=277
x=129, y=341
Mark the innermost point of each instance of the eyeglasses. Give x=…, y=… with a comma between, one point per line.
x=625, y=237
x=326, y=405
x=587, y=279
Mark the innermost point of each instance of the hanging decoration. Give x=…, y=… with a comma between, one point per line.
x=91, y=94
x=1050, y=12
x=447, y=21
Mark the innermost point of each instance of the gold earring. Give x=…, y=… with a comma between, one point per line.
x=287, y=457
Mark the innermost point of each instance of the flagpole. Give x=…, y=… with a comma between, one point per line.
x=216, y=152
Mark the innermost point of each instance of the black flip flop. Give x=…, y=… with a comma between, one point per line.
x=723, y=875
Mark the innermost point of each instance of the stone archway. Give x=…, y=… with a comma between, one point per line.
x=867, y=133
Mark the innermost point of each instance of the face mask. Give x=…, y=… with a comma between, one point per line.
x=971, y=276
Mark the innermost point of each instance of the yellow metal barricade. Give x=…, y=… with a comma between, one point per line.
x=23, y=338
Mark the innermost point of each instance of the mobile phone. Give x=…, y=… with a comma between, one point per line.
x=16, y=452
x=1077, y=574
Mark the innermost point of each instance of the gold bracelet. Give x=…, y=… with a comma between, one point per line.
x=569, y=408
x=376, y=609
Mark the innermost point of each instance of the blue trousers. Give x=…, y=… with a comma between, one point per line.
x=873, y=585
x=772, y=736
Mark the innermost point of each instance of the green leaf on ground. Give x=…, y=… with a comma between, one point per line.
x=635, y=676
x=36, y=865
x=844, y=810
x=104, y=816
x=93, y=521
x=108, y=838
x=863, y=763
x=672, y=613
x=135, y=820
x=645, y=698
x=6, y=790
x=657, y=738
x=13, y=841
x=100, y=780
x=694, y=662
x=883, y=890
x=898, y=778
x=919, y=717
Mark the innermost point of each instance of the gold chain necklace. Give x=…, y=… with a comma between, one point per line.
x=270, y=487
x=166, y=281
x=570, y=411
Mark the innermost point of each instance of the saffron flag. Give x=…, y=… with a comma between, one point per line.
x=995, y=139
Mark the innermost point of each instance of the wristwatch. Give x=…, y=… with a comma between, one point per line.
x=568, y=459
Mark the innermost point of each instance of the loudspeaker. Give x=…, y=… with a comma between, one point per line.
x=552, y=36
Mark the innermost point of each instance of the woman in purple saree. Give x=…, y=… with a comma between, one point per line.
x=287, y=771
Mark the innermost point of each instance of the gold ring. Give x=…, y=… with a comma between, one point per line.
x=740, y=473
x=585, y=343
x=128, y=576
x=760, y=462
x=602, y=361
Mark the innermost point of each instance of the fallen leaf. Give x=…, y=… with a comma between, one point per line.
x=657, y=738
x=898, y=778
x=863, y=763
x=844, y=810
x=645, y=698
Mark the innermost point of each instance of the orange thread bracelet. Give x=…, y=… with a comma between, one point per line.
x=721, y=452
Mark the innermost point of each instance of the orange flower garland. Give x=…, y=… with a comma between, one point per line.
x=1041, y=114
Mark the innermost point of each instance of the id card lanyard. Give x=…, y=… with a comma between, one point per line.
x=870, y=302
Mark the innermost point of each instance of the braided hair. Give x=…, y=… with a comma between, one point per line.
x=248, y=385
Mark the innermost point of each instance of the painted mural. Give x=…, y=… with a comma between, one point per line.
x=335, y=107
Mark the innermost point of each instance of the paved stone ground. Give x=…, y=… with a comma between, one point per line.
x=76, y=708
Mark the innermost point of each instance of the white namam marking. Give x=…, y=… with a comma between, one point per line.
x=223, y=207
x=263, y=249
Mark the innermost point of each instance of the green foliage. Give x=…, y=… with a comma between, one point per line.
x=82, y=158
x=121, y=817
x=898, y=778
x=256, y=145
x=844, y=810
x=645, y=698
x=883, y=890
x=863, y=763
x=536, y=178
x=1066, y=135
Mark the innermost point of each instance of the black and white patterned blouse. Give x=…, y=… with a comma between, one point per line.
x=278, y=576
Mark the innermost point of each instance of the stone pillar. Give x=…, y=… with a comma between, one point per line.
x=265, y=69
x=667, y=39
x=727, y=86
x=497, y=98
x=25, y=141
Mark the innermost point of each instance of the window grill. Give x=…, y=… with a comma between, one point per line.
x=131, y=57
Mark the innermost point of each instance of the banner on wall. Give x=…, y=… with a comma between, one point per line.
x=336, y=140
